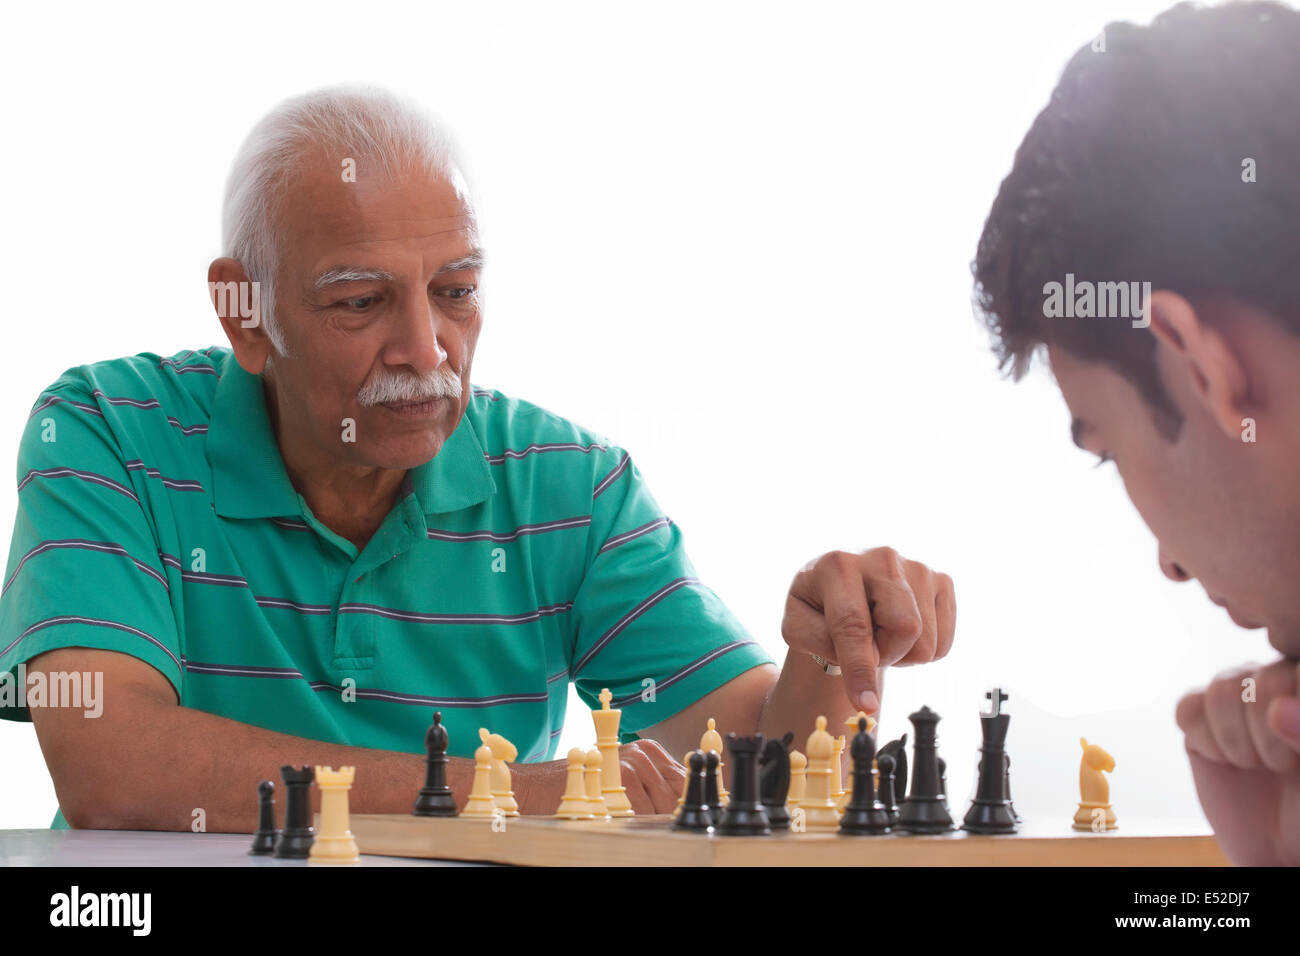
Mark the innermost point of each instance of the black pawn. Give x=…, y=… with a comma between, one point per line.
x=296, y=840
x=885, y=766
x=695, y=813
x=990, y=811
x=712, y=798
x=865, y=815
x=774, y=781
x=943, y=782
x=264, y=838
x=435, y=799
x=923, y=810
x=744, y=814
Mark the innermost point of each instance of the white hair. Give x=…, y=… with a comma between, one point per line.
x=383, y=133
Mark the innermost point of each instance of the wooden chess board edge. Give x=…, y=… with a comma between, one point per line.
x=647, y=841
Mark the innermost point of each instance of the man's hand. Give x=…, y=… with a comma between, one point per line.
x=1245, y=757
x=868, y=611
x=653, y=780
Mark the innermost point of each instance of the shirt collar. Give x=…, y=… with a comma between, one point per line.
x=248, y=475
x=249, y=479
x=459, y=476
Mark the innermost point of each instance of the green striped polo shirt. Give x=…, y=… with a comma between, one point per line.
x=156, y=518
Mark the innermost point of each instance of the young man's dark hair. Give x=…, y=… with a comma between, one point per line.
x=1134, y=172
x=1169, y=157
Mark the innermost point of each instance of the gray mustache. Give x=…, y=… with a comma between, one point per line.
x=385, y=388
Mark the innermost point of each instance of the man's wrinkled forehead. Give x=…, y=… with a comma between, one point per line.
x=322, y=208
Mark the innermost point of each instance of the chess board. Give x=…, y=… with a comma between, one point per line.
x=648, y=841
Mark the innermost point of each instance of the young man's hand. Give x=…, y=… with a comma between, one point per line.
x=1242, y=735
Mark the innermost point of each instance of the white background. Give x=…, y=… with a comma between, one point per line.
x=736, y=239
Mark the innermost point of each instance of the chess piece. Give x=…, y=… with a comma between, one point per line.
x=503, y=751
x=574, y=805
x=686, y=784
x=865, y=815
x=923, y=810
x=712, y=740
x=334, y=842
x=846, y=795
x=798, y=779
x=481, y=803
x=990, y=811
x=1006, y=787
x=896, y=750
x=774, y=781
x=296, y=838
x=611, y=771
x=852, y=722
x=265, y=837
x=744, y=814
x=817, y=804
x=885, y=767
x=837, y=773
x=1094, y=811
x=591, y=780
x=695, y=813
x=711, y=777
x=436, y=798
x=943, y=782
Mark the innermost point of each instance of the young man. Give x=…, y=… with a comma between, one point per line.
x=1146, y=240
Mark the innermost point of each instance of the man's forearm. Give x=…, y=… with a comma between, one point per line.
x=801, y=694
x=191, y=760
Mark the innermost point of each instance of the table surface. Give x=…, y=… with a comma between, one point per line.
x=151, y=848
x=541, y=841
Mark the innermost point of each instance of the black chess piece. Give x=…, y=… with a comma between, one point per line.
x=744, y=815
x=885, y=767
x=298, y=834
x=712, y=798
x=990, y=811
x=943, y=782
x=865, y=815
x=266, y=835
x=923, y=810
x=1006, y=787
x=897, y=750
x=695, y=814
x=774, y=781
x=436, y=798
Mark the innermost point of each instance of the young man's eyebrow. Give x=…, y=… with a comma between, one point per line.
x=1078, y=429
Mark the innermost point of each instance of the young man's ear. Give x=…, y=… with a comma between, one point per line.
x=1199, y=359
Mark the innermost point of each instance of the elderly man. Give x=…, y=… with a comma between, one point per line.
x=296, y=549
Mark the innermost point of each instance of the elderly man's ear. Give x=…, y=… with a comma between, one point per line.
x=237, y=304
x=1199, y=362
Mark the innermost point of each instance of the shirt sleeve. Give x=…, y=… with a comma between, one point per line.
x=647, y=627
x=84, y=568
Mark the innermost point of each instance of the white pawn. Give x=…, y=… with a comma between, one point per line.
x=712, y=740
x=574, y=805
x=480, y=802
x=591, y=779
